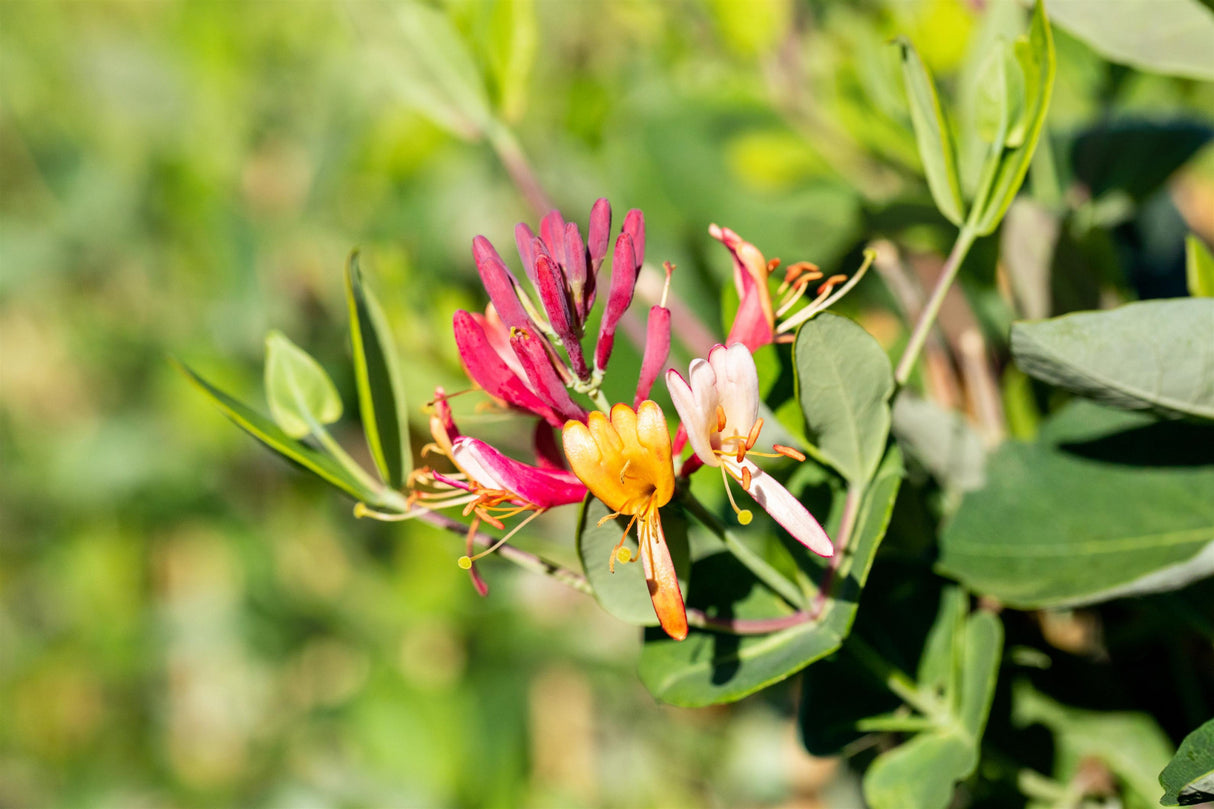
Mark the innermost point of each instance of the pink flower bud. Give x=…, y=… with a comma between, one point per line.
x=623, y=282
x=499, y=283
x=657, y=351
x=487, y=369
x=558, y=303
x=634, y=226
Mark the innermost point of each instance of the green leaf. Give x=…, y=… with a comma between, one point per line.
x=381, y=397
x=1162, y=36
x=624, y=594
x=932, y=135
x=268, y=433
x=1152, y=355
x=1189, y=776
x=844, y=382
x=1131, y=745
x=1035, y=56
x=300, y=393
x=1106, y=504
x=713, y=667
x=1160, y=147
x=999, y=108
x=1199, y=268
x=942, y=440
x=962, y=660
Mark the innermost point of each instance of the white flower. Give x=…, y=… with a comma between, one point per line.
x=719, y=406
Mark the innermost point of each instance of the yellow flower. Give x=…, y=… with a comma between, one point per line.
x=625, y=462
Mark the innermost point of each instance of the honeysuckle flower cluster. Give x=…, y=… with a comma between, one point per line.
x=526, y=352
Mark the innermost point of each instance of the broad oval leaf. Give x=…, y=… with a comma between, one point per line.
x=624, y=593
x=932, y=135
x=1151, y=355
x=302, y=397
x=713, y=667
x=1035, y=56
x=269, y=434
x=1106, y=504
x=1161, y=36
x=1189, y=776
x=844, y=382
x=381, y=395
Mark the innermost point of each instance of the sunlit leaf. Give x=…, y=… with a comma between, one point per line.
x=711, y=667
x=844, y=382
x=301, y=395
x=1199, y=268
x=932, y=135
x=1150, y=355
x=381, y=396
x=268, y=433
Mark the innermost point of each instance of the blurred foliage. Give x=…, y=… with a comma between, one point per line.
x=182, y=623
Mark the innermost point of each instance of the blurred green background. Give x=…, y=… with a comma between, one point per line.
x=185, y=621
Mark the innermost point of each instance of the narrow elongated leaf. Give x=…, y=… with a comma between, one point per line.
x=1189, y=776
x=514, y=36
x=713, y=667
x=1151, y=355
x=1162, y=36
x=268, y=433
x=381, y=394
x=301, y=395
x=1199, y=268
x=1106, y=504
x=932, y=135
x=844, y=382
x=624, y=593
x=1035, y=56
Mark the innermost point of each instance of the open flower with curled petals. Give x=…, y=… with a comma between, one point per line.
x=757, y=321
x=625, y=461
x=719, y=405
x=486, y=484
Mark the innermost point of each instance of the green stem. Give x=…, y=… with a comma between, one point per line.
x=524, y=559
x=518, y=167
x=386, y=497
x=764, y=572
x=847, y=524
x=890, y=676
x=927, y=318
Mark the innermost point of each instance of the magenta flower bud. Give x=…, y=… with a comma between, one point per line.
x=634, y=226
x=500, y=283
x=552, y=231
x=623, y=283
x=657, y=351
x=545, y=381
x=599, y=234
x=558, y=303
x=486, y=368
x=523, y=237
x=575, y=269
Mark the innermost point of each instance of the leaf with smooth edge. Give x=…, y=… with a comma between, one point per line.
x=922, y=773
x=1035, y=55
x=1130, y=745
x=1151, y=355
x=1189, y=776
x=1199, y=268
x=1162, y=36
x=1105, y=504
x=624, y=593
x=381, y=395
x=942, y=440
x=711, y=667
x=300, y=393
x=268, y=433
x=844, y=382
x=932, y=135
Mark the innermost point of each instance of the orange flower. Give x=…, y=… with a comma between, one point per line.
x=625, y=461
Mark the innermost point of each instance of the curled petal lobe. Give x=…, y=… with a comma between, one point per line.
x=754, y=323
x=787, y=510
x=543, y=488
x=661, y=578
